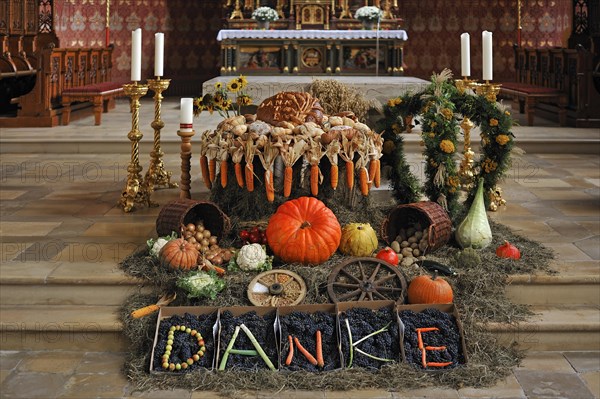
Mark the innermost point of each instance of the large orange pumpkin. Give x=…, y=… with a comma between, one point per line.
x=429, y=289
x=179, y=254
x=303, y=230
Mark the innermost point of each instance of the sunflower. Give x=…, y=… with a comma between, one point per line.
x=242, y=81
x=219, y=86
x=244, y=99
x=234, y=86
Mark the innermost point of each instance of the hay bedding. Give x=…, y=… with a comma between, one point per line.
x=479, y=295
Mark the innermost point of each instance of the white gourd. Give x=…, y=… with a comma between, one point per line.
x=474, y=231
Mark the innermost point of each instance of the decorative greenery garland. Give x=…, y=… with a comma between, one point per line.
x=440, y=107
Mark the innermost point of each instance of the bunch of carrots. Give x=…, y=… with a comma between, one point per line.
x=315, y=361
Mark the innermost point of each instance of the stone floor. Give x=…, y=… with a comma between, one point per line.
x=58, y=211
x=67, y=374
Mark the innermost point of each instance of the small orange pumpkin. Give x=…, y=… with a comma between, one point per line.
x=179, y=254
x=429, y=289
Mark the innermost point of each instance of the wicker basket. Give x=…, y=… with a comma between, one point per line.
x=427, y=213
x=184, y=211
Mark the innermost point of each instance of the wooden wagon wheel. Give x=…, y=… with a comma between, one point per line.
x=366, y=279
x=276, y=288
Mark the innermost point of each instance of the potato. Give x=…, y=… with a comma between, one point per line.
x=410, y=231
x=416, y=252
x=408, y=261
x=418, y=235
x=423, y=245
x=414, y=245
x=404, y=244
x=412, y=239
x=395, y=245
x=406, y=252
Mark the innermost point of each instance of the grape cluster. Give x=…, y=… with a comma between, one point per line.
x=263, y=329
x=184, y=346
x=448, y=336
x=304, y=326
x=364, y=321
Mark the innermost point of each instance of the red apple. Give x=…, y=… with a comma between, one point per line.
x=388, y=255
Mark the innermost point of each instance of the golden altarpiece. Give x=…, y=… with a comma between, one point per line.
x=311, y=37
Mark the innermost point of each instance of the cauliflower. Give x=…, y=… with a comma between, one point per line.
x=252, y=257
x=157, y=246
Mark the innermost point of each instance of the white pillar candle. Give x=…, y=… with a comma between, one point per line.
x=487, y=55
x=186, y=115
x=136, y=55
x=159, y=52
x=465, y=54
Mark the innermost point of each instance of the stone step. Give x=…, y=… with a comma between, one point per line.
x=553, y=328
x=61, y=327
x=97, y=328
x=69, y=283
x=554, y=290
x=102, y=283
x=171, y=145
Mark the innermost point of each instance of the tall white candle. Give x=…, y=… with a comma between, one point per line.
x=487, y=55
x=159, y=53
x=186, y=115
x=136, y=55
x=465, y=54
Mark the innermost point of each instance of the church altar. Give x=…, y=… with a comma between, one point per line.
x=312, y=52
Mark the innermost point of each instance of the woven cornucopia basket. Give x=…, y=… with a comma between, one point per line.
x=183, y=211
x=426, y=213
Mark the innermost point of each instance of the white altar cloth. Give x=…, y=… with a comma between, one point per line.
x=311, y=34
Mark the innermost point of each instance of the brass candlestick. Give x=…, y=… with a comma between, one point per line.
x=465, y=84
x=135, y=192
x=488, y=90
x=186, y=155
x=465, y=172
x=157, y=176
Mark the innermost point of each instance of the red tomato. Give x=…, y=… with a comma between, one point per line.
x=244, y=235
x=254, y=238
x=388, y=255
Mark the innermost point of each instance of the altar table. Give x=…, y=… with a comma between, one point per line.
x=312, y=52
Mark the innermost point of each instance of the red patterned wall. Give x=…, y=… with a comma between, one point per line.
x=434, y=28
x=192, y=52
x=190, y=27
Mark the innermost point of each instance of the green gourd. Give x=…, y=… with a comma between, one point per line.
x=474, y=231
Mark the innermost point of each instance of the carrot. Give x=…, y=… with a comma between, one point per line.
x=145, y=311
x=238, y=175
x=436, y=364
x=290, y=355
x=224, y=173
x=320, y=361
x=204, y=169
x=427, y=329
x=219, y=270
x=372, y=171
x=212, y=169
x=314, y=180
x=423, y=358
x=249, y=176
x=377, y=176
x=350, y=175
x=269, y=186
x=435, y=348
x=287, y=181
x=304, y=352
x=363, y=176
x=334, y=176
